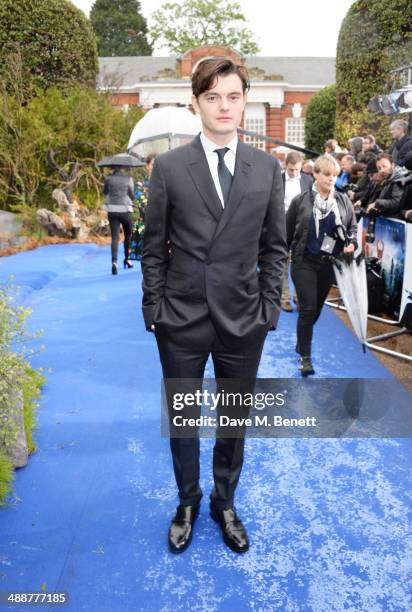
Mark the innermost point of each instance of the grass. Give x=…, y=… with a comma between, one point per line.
x=31, y=386
x=6, y=477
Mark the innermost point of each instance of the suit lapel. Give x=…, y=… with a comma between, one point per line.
x=240, y=183
x=200, y=173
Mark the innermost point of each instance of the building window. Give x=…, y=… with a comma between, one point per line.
x=295, y=131
x=255, y=121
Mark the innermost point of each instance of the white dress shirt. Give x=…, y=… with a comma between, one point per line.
x=209, y=148
x=292, y=188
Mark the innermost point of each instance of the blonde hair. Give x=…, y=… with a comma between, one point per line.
x=327, y=165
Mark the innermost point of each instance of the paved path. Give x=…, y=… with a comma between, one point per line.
x=329, y=520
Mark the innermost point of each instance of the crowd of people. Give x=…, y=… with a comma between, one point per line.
x=375, y=180
x=330, y=192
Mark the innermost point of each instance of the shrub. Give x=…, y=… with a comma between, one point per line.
x=16, y=375
x=80, y=126
x=55, y=40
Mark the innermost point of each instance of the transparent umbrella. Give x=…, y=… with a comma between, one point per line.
x=162, y=129
x=351, y=279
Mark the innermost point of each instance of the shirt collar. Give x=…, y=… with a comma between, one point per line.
x=288, y=178
x=210, y=146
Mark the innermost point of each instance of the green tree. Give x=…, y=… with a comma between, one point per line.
x=320, y=118
x=195, y=23
x=120, y=28
x=55, y=39
x=375, y=38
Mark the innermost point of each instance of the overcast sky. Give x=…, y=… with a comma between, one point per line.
x=280, y=27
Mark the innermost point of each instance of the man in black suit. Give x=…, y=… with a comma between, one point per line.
x=294, y=182
x=213, y=256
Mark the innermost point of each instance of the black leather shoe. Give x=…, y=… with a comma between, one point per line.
x=306, y=367
x=181, y=528
x=233, y=532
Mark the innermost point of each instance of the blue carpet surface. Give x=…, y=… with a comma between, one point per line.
x=329, y=520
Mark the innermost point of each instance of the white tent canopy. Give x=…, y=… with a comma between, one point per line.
x=162, y=129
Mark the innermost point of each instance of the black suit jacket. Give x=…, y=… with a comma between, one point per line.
x=207, y=269
x=306, y=181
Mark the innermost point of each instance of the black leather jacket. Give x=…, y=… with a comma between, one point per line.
x=389, y=202
x=298, y=217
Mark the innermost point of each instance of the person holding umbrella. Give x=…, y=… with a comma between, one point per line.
x=320, y=224
x=119, y=191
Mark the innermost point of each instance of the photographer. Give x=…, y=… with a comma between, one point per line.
x=405, y=181
x=317, y=223
x=368, y=190
x=346, y=165
x=389, y=202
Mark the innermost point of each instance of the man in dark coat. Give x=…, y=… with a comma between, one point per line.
x=213, y=258
x=402, y=143
x=389, y=196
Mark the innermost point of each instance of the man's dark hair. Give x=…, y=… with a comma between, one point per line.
x=384, y=156
x=365, y=157
x=208, y=70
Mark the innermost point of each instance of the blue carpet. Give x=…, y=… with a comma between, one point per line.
x=329, y=520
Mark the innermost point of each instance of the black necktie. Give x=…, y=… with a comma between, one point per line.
x=225, y=178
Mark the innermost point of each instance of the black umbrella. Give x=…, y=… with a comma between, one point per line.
x=121, y=160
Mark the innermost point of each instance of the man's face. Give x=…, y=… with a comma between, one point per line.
x=367, y=144
x=385, y=167
x=397, y=132
x=346, y=164
x=293, y=170
x=221, y=107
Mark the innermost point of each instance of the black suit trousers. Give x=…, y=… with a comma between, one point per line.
x=187, y=363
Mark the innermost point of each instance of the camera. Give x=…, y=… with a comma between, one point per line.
x=370, y=232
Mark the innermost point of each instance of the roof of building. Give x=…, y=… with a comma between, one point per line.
x=127, y=71
x=296, y=70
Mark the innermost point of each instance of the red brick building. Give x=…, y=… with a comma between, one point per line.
x=281, y=87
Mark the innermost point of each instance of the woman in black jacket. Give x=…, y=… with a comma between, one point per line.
x=119, y=191
x=320, y=222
